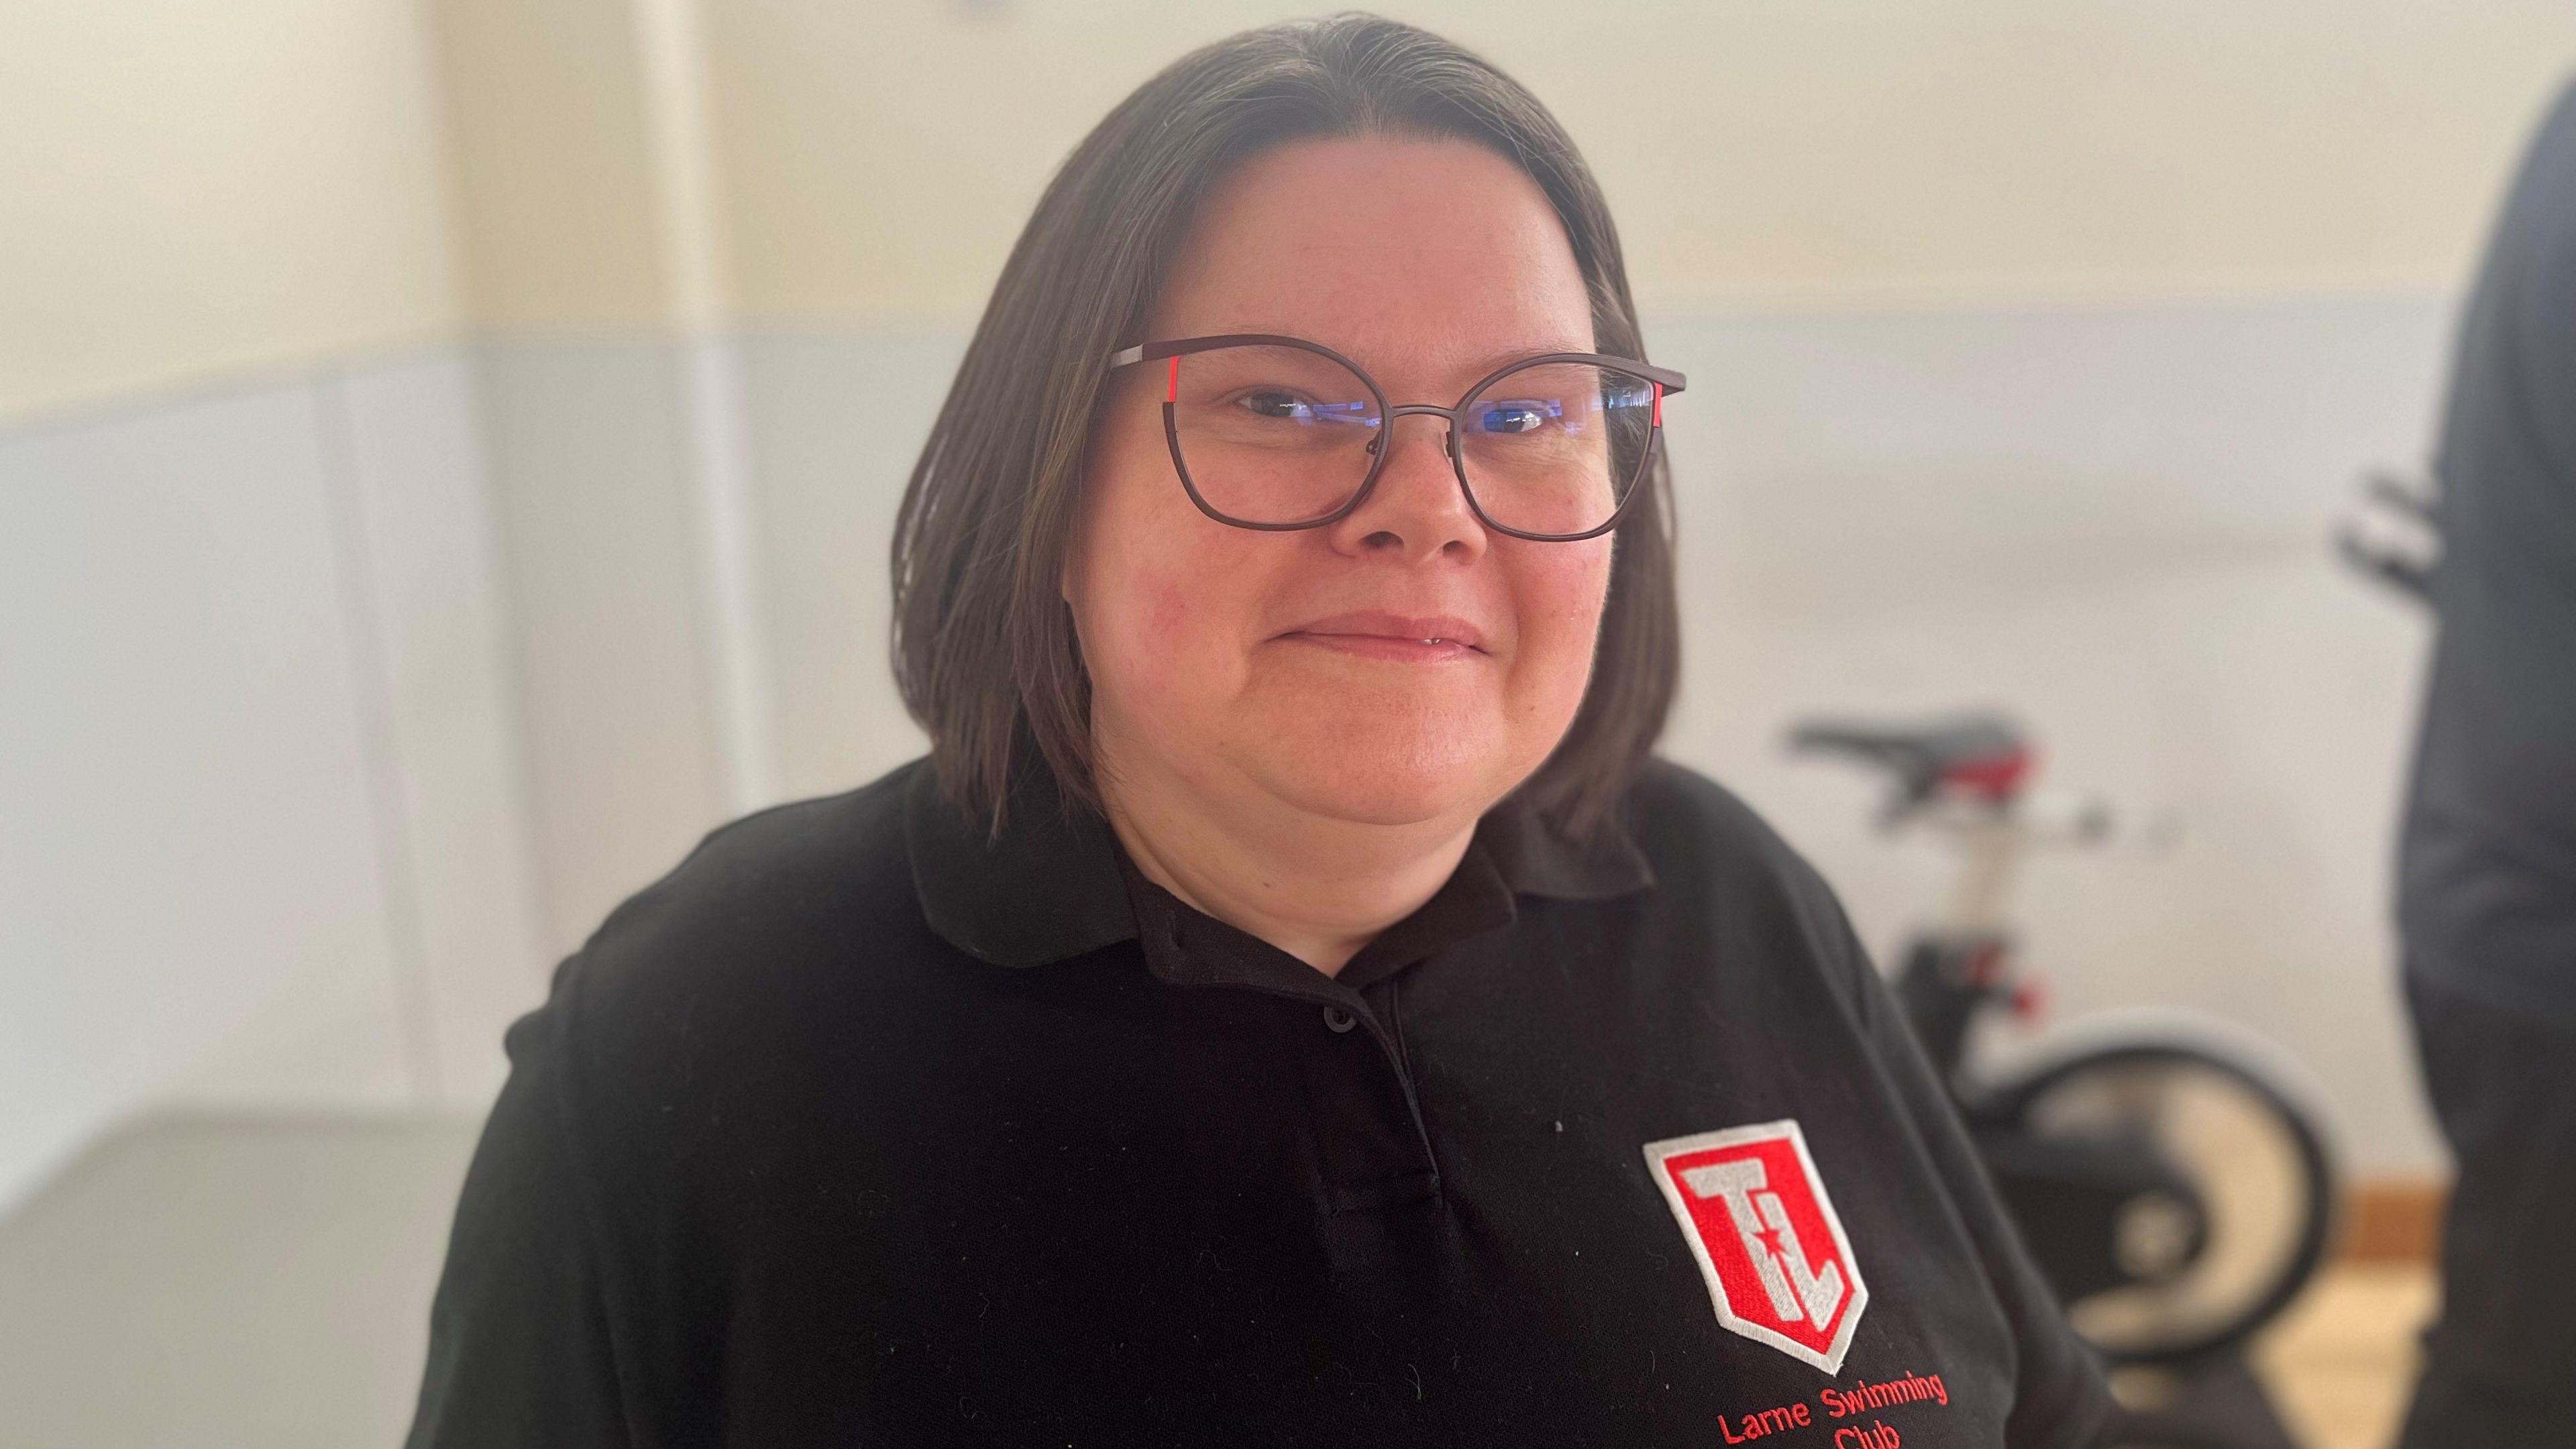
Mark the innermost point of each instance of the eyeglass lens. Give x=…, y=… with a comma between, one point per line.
x=1279, y=435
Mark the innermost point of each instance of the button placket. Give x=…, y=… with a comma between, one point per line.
x=1375, y=1147
x=1375, y=1151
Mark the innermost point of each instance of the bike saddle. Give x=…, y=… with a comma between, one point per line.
x=1982, y=752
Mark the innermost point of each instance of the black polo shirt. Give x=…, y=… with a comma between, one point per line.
x=861, y=1128
x=2486, y=887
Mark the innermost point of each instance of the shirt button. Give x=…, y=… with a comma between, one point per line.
x=1338, y=1019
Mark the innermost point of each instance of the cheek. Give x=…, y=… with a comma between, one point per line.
x=1155, y=643
x=1561, y=592
x=1167, y=616
x=1159, y=601
x=1170, y=647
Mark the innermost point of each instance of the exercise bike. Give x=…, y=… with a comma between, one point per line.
x=2175, y=1197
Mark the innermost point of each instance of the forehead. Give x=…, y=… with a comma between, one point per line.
x=1422, y=259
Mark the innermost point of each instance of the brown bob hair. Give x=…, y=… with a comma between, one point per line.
x=984, y=646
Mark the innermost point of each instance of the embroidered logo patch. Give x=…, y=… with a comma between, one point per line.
x=1754, y=1210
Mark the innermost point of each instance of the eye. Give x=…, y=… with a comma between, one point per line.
x=1515, y=416
x=1288, y=406
x=1271, y=402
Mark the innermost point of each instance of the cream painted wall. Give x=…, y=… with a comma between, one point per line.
x=551, y=129
x=1871, y=153
x=189, y=187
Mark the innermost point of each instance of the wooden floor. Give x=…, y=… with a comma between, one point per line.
x=2341, y=1363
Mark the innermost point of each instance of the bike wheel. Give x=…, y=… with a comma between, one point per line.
x=2202, y=1275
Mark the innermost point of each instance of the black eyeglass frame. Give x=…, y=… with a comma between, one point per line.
x=1664, y=380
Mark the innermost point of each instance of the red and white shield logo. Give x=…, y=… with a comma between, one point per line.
x=1754, y=1208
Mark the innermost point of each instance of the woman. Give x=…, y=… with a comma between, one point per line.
x=1288, y=1006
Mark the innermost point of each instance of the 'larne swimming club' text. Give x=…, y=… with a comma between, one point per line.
x=1860, y=1398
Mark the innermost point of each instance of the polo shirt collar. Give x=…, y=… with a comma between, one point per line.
x=1536, y=859
x=1053, y=883
x=1044, y=889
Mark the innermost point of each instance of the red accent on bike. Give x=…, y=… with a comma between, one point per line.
x=1993, y=776
x=1172, y=392
x=2030, y=1001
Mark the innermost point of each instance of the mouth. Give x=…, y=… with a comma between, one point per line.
x=1373, y=635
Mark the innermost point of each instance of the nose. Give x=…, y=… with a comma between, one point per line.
x=1415, y=511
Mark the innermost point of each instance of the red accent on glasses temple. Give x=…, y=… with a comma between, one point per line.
x=1172, y=390
x=1659, y=405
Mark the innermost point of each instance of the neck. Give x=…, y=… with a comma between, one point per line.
x=1316, y=887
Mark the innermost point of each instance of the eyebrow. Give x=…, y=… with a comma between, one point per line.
x=1468, y=367
x=1489, y=361
x=1465, y=369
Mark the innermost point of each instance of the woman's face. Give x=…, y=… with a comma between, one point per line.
x=1404, y=664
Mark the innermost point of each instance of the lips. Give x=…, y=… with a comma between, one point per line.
x=1393, y=635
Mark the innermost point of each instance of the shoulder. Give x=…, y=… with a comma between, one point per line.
x=771, y=925
x=793, y=877
x=1725, y=876
x=1698, y=833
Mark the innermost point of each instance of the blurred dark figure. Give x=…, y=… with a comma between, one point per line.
x=2487, y=876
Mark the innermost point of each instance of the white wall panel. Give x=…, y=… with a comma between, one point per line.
x=590, y=469
x=836, y=421
x=190, y=900
x=409, y=446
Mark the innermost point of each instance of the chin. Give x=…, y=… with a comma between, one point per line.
x=1439, y=746
x=1379, y=776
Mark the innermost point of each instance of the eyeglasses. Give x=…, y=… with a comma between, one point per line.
x=1279, y=433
